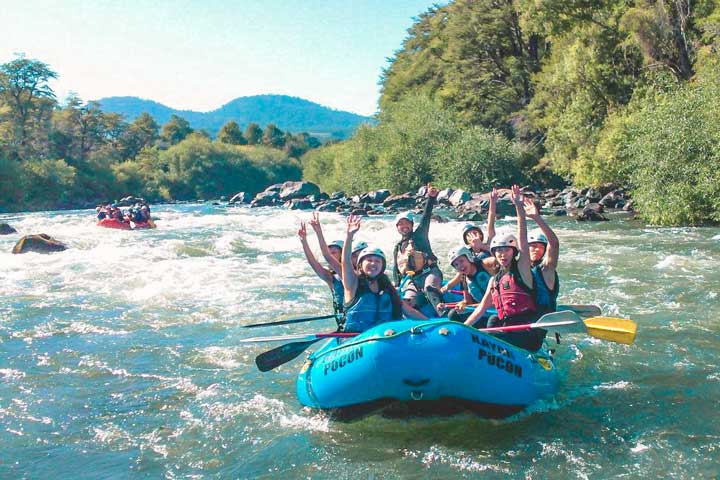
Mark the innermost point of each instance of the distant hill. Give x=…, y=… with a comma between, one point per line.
x=287, y=113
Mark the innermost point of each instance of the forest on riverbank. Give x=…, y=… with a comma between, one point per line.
x=586, y=91
x=74, y=155
x=481, y=92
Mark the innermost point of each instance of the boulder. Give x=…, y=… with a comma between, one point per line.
x=293, y=190
x=40, y=243
x=592, y=212
x=242, y=197
x=275, y=187
x=265, y=199
x=560, y=212
x=376, y=196
x=6, y=229
x=444, y=195
x=458, y=197
x=402, y=202
x=629, y=206
x=130, y=200
x=330, y=206
x=337, y=195
x=299, y=204
x=610, y=200
x=359, y=211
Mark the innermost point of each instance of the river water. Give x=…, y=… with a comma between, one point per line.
x=119, y=358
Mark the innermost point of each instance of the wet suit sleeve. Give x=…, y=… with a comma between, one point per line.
x=422, y=232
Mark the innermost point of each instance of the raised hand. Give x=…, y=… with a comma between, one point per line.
x=517, y=196
x=493, y=196
x=475, y=240
x=353, y=224
x=302, y=232
x=315, y=221
x=531, y=209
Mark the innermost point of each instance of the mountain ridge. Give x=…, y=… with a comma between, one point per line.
x=288, y=113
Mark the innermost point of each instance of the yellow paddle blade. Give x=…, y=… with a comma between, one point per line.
x=617, y=330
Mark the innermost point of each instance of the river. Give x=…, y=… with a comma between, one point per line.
x=119, y=358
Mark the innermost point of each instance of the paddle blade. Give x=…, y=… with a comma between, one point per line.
x=266, y=361
x=617, y=330
x=585, y=311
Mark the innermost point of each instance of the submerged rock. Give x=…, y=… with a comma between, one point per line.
x=6, y=229
x=40, y=243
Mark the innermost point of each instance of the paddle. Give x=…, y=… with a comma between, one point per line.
x=266, y=361
x=288, y=321
x=617, y=330
x=606, y=328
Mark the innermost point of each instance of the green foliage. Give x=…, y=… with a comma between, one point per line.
x=273, y=136
x=673, y=152
x=253, y=134
x=230, y=133
x=49, y=182
x=415, y=141
x=199, y=168
x=175, y=130
x=479, y=160
x=12, y=183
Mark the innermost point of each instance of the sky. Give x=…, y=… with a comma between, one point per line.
x=200, y=54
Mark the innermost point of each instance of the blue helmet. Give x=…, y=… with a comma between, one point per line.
x=359, y=246
x=538, y=237
x=337, y=244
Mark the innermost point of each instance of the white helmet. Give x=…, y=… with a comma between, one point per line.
x=537, y=237
x=506, y=240
x=405, y=216
x=371, y=251
x=456, y=253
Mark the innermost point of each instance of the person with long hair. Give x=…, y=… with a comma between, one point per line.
x=370, y=296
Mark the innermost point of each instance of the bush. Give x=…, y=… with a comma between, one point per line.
x=673, y=153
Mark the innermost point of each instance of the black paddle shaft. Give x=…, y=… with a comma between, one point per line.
x=266, y=361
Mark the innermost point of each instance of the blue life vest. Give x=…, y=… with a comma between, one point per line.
x=477, y=285
x=367, y=309
x=545, y=298
x=338, y=292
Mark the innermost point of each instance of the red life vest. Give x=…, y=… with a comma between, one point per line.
x=510, y=296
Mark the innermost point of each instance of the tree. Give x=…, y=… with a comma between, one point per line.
x=24, y=88
x=273, y=136
x=230, y=133
x=175, y=130
x=141, y=133
x=253, y=134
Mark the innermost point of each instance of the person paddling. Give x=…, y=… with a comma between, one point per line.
x=414, y=262
x=544, y=250
x=370, y=297
x=511, y=291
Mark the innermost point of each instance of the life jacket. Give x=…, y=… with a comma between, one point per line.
x=511, y=296
x=338, y=291
x=411, y=260
x=545, y=298
x=477, y=284
x=367, y=309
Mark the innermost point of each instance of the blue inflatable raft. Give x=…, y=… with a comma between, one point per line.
x=435, y=367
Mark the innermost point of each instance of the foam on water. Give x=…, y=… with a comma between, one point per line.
x=122, y=353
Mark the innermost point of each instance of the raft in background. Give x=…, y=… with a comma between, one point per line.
x=437, y=367
x=115, y=223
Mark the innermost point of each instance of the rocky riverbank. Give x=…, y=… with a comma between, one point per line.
x=582, y=204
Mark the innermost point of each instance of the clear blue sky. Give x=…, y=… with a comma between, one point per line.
x=200, y=54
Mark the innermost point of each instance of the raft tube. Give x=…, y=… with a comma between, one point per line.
x=115, y=223
x=438, y=367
